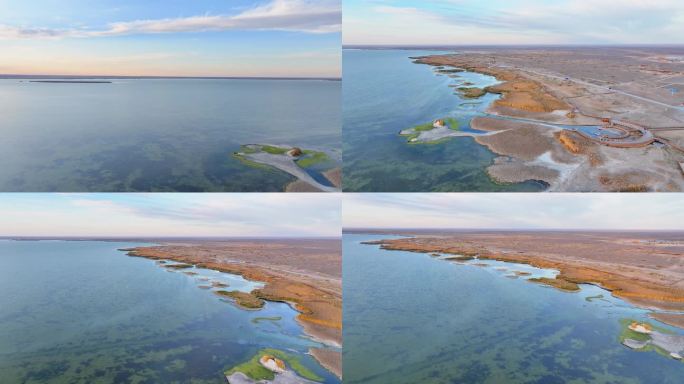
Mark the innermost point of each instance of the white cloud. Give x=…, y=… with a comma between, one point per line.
x=308, y=16
x=514, y=211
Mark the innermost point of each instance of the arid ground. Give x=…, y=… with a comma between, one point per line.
x=644, y=268
x=304, y=272
x=542, y=88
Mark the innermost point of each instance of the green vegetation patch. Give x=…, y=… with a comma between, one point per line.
x=311, y=158
x=258, y=320
x=243, y=299
x=460, y=258
x=450, y=122
x=255, y=371
x=561, y=284
x=178, y=266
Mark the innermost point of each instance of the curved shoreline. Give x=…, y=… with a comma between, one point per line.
x=613, y=155
x=645, y=295
x=319, y=308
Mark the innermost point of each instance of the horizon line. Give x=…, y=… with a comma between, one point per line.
x=159, y=237
x=681, y=45
x=508, y=229
x=10, y=76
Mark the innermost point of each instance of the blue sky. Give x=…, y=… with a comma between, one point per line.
x=171, y=37
x=175, y=214
x=609, y=211
x=467, y=22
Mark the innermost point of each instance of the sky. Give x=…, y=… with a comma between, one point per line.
x=601, y=211
x=508, y=22
x=170, y=215
x=298, y=38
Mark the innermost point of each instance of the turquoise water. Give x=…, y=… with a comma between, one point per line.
x=158, y=134
x=411, y=318
x=385, y=92
x=83, y=312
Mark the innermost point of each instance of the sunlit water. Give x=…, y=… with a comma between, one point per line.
x=411, y=318
x=385, y=92
x=158, y=134
x=84, y=312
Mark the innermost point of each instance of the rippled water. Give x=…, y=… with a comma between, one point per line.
x=411, y=318
x=158, y=134
x=84, y=312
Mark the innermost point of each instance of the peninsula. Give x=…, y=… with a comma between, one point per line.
x=315, y=170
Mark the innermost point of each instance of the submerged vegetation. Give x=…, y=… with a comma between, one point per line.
x=255, y=371
x=243, y=299
x=561, y=284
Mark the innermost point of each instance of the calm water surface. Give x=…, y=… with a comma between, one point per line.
x=385, y=92
x=83, y=312
x=410, y=318
x=158, y=134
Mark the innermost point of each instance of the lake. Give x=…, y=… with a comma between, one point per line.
x=412, y=318
x=385, y=92
x=159, y=134
x=84, y=312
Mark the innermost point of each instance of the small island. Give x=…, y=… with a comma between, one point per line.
x=646, y=337
x=303, y=164
x=271, y=366
x=433, y=132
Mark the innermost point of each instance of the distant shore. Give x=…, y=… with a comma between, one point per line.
x=613, y=261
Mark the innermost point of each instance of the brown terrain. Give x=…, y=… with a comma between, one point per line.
x=306, y=273
x=646, y=268
x=541, y=88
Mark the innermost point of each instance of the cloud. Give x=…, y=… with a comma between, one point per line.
x=308, y=16
x=463, y=22
x=511, y=211
x=159, y=214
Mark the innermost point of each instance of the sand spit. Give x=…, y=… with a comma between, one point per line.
x=306, y=274
x=285, y=158
x=642, y=275
x=584, y=94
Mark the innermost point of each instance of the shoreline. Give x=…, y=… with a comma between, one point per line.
x=641, y=294
x=319, y=308
x=547, y=107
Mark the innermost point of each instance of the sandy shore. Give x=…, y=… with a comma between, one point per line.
x=304, y=273
x=633, y=266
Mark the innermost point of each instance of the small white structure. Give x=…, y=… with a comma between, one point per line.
x=439, y=123
x=272, y=364
x=675, y=355
x=641, y=328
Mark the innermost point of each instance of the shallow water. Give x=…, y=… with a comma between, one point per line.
x=385, y=92
x=411, y=318
x=83, y=312
x=158, y=134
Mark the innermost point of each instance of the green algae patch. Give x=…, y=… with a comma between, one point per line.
x=255, y=371
x=258, y=320
x=561, y=284
x=311, y=158
x=178, y=266
x=460, y=258
x=412, y=134
x=243, y=299
x=592, y=298
x=472, y=92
